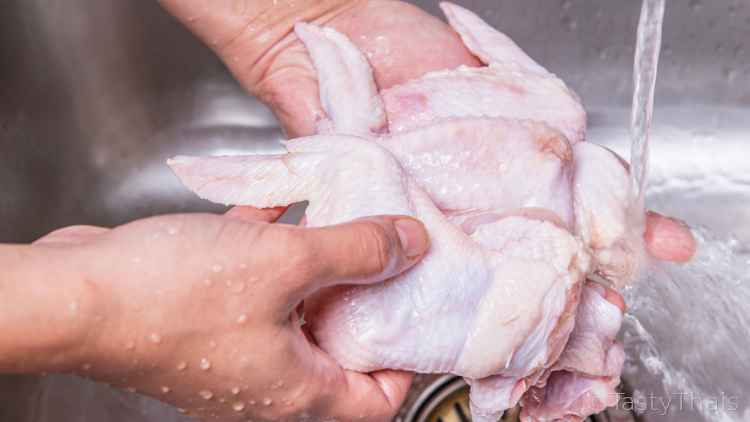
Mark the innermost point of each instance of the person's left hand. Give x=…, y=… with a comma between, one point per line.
x=200, y=311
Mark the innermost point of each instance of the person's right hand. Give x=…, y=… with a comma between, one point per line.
x=255, y=39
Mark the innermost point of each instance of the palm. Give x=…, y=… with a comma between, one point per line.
x=401, y=41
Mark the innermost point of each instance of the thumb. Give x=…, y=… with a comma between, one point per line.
x=367, y=250
x=72, y=235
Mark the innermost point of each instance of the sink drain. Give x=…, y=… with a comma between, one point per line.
x=446, y=399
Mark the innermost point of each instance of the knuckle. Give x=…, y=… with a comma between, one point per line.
x=376, y=247
x=299, y=250
x=298, y=402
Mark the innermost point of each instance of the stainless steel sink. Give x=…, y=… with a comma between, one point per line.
x=95, y=94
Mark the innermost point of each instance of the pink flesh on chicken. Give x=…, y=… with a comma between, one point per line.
x=499, y=188
x=584, y=379
x=601, y=199
x=459, y=161
x=512, y=85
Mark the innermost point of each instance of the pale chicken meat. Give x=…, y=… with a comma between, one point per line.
x=582, y=380
x=512, y=85
x=519, y=210
x=504, y=292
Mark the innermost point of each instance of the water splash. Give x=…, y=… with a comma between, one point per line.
x=679, y=345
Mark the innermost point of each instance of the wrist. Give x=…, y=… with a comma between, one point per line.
x=47, y=310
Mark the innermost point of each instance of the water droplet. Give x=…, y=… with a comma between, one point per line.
x=238, y=287
x=221, y=400
x=130, y=389
x=252, y=402
x=86, y=366
x=73, y=307
x=208, y=282
x=235, y=390
x=155, y=338
x=276, y=385
x=173, y=230
x=165, y=389
x=181, y=366
x=569, y=23
x=217, y=268
x=731, y=75
x=181, y=410
x=267, y=401
x=206, y=395
x=243, y=266
x=212, y=344
x=136, y=260
x=205, y=364
x=238, y=406
x=242, y=319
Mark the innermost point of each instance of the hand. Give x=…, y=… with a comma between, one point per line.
x=200, y=311
x=401, y=42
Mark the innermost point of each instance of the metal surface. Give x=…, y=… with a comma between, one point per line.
x=95, y=94
x=446, y=399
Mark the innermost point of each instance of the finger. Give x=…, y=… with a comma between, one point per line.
x=367, y=250
x=72, y=235
x=375, y=397
x=250, y=214
x=363, y=251
x=394, y=385
x=668, y=239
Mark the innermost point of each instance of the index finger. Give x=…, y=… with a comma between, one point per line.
x=668, y=239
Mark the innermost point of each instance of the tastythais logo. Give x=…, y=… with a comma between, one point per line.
x=678, y=402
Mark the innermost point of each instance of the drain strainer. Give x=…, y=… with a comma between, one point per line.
x=447, y=400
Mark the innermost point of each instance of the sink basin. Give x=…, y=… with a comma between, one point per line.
x=96, y=94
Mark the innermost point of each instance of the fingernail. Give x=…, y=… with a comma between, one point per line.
x=413, y=237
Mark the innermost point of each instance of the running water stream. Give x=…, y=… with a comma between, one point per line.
x=645, y=66
x=686, y=328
